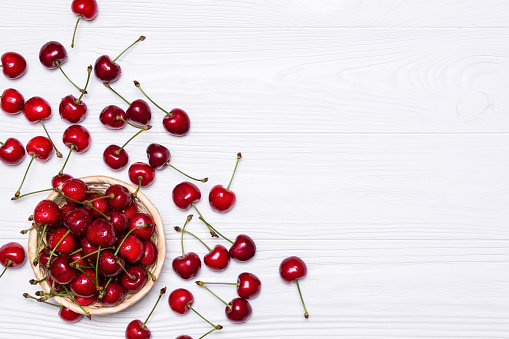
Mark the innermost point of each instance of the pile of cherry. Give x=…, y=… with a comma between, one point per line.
x=114, y=248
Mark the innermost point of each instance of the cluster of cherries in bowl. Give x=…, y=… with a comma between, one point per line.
x=96, y=247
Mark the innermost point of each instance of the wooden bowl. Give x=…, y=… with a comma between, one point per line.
x=101, y=183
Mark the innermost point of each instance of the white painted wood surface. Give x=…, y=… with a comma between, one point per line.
x=375, y=142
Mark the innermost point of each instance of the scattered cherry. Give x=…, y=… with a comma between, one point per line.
x=113, y=117
x=12, y=101
x=141, y=174
x=159, y=158
x=74, y=110
x=188, y=265
x=86, y=9
x=238, y=310
x=116, y=157
x=138, y=330
x=293, y=269
x=14, y=65
x=222, y=199
x=12, y=152
x=36, y=110
x=12, y=255
x=53, y=55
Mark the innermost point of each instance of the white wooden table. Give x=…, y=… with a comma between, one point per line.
x=375, y=143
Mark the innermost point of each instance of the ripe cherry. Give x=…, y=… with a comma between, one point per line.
x=243, y=249
x=53, y=55
x=47, y=213
x=62, y=240
x=293, y=269
x=86, y=9
x=74, y=191
x=142, y=225
x=116, y=157
x=159, y=158
x=186, y=194
x=12, y=101
x=131, y=248
x=113, y=294
x=60, y=270
x=248, y=285
x=12, y=255
x=130, y=210
x=77, y=221
x=85, y=284
x=13, y=65
x=101, y=233
x=119, y=220
x=12, y=152
x=238, y=310
x=121, y=196
x=109, y=264
x=141, y=174
x=97, y=205
x=181, y=301
x=59, y=179
x=78, y=139
x=74, y=110
x=134, y=279
x=222, y=199
x=150, y=252
x=136, y=329
x=186, y=266
x=113, y=117
x=68, y=315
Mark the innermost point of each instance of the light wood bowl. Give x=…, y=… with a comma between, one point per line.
x=101, y=183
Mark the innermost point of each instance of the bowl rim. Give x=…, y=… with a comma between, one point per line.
x=156, y=269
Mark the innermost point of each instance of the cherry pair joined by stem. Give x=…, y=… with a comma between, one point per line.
x=138, y=112
x=13, y=65
x=238, y=310
x=108, y=70
x=86, y=9
x=248, y=285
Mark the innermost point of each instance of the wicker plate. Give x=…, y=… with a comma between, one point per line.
x=101, y=183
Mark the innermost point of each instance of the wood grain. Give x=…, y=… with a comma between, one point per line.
x=374, y=137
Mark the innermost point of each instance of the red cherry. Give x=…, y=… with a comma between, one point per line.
x=140, y=279
x=12, y=255
x=69, y=316
x=77, y=221
x=177, y=122
x=37, y=109
x=72, y=110
x=238, y=310
x=185, y=194
x=75, y=189
x=101, y=233
x=85, y=8
x=243, y=249
x=108, y=264
x=222, y=199
x=85, y=284
x=218, y=259
x=130, y=210
x=14, y=65
x=141, y=174
x=188, y=266
x=180, y=301
x=121, y=196
x=59, y=179
x=184, y=336
x=61, y=271
x=97, y=205
x=139, y=112
x=12, y=152
x=65, y=240
x=115, y=157
x=40, y=147
x=86, y=301
x=293, y=269
x=248, y=285
x=12, y=102
x=113, y=117
x=52, y=54
x=136, y=329
x=77, y=258
x=119, y=220
x=89, y=248
x=43, y=258
x=150, y=252
x=54, y=285
x=66, y=208
x=131, y=248
x=158, y=156
x=141, y=219
x=78, y=136
x=47, y=213
x=113, y=295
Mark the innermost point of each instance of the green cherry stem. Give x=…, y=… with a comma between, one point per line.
x=58, y=64
x=111, y=196
x=123, y=269
x=101, y=295
x=97, y=263
x=66, y=160
x=121, y=97
x=137, y=84
x=89, y=278
x=59, y=155
x=153, y=277
x=27, y=230
x=178, y=229
x=218, y=327
x=145, y=128
x=190, y=177
x=130, y=231
x=141, y=38
x=24, y=195
x=89, y=70
x=73, y=253
x=135, y=194
x=163, y=291
x=212, y=231
x=28, y=296
x=18, y=192
x=9, y=262
x=130, y=124
x=35, y=282
x=215, y=283
x=75, y=28
x=211, y=324
x=239, y=156
x=1, y=143
x=91, y=253
x=189, y=217
x=87, y=314
x=306, y=314
x=199, y=283
x=82, y=203
x=56, y=246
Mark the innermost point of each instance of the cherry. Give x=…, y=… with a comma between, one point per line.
x=142, y=219
x=85, y=284
x=180, y=301
x=292, y=269
x=159, y=158
x=12, y=102
x=188, y=265
x=136, y=329
x=243, y=249
x=77, y=136
x=60, y=270
x=109, y=265
x=37, y=109
x=47, y=213
x=222, y=199
x=113, y=117
x=113, y=295
x=101, y=233
x=77, y=221
x=186, y=194
x=12, y=152
x=184, y=336
x=62, y=241
x=75, y=191
x=150, y=252
x=77, y=259
x=68, y=315
x=106, y=69
x=248, y=285
x=134, y=279
x=176, y=121
x=86, y=301
x=131, y=248
x=121, y=197
x=97, y=205
x=238, y=310
x=86, y=9
x=12, y=255
x=66, y=208
x=59, y=179
x=141, y=174
x=130, y=210
x=138, y=112
x=90, y=250
x=13, y=65
x=74, y=110
x=53, y=55
x=119, y=220
x=43, y=258
x=116, y=157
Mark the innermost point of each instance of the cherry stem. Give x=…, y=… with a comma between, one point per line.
x=125, y=237
x=89, y=278
x=97, y=264
x=137, y=84
x=75, y=28
x=208, y=289
x=1, y=143
x=88, y=315
x=9, y=262
x=192, y=309
x=239, y=156
x=18, y=192
x=35, y=282
x=89, y=70
x=58, y=243
x=27, y=230
x=82, y=203
x=190, y=177
x=28, y=296
x=163, y=291
x=134, y=136
x=131, y=124
x=59, y=155
x=91, y=253
x=58, y=64
x=153, y=277
x=111, y=196
x=215, y=283
x=218, y=327
x=140, y=179
x=78, y=250
x=125, y=271
x=66, y=159
x=108, y=85
x=189, y=217
x=101, y=295
x=24, y=195
x=211, y=229
x=178, y=229
x=306, y=314
x=141, y=38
